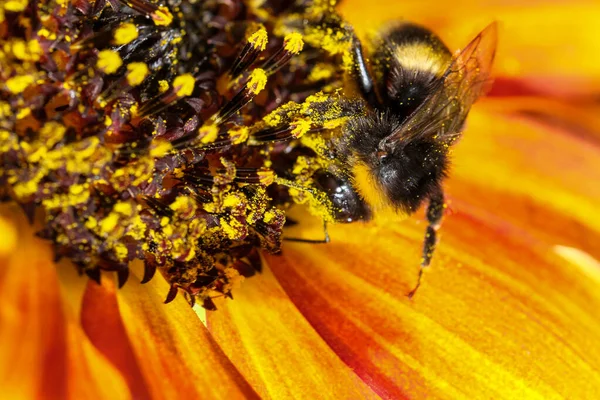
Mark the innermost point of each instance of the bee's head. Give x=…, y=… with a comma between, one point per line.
x=401, y=174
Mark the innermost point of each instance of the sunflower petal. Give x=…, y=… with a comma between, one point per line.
x=532, y=154
x=551, y=47
x=43, y=352
x=528, y=336
x=173, y=350
x=276, y=349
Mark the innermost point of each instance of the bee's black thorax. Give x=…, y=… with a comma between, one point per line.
x=407, y=172
x=409, y=62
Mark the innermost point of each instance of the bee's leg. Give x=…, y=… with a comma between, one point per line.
x=435, y=212
x=318, y=241
x=363, y=76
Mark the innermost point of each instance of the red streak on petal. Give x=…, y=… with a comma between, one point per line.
x=101, y=321
x=349, y=339
x=276, y=349
x=43, y=351
x=499, y=315
x=176, y=353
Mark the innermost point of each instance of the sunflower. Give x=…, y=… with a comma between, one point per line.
x=508, y=309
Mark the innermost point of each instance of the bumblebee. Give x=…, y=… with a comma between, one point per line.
x=415, y=97
x=418, y=97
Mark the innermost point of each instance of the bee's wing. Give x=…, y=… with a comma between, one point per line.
x=442, y=114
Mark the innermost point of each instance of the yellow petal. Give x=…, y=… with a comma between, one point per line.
x=533, y=154
x=276, y=349
x=553, y=45
x=174, y=350
x=43, y=351
x=498, y=315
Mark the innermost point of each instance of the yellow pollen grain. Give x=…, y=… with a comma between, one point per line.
x=30, y=51
x=239, y=135
x=232, y=200
x=259, y=39
x=52, y=132
x=160, y=149
x=301, y=126
x=266, y=177
x=258, y=80
x=25, y=189
x=232, y=228
x=136, y=73
x=168, y=230
x=9, y=236
x=109, y=223
x=5, y=110
x=109, y=61
x=182, y=203
x=184, y=84
x=208, y=133
x=19, y=83
x=270, y=216
x=320, y=72
x=162, y=16
x=121, y=251
x=293, y=43
x=91, y=223
x=163, y=86
x=15, y=5
x=124, y=208
x=137, y=228
x=76, y=189
x=24, y=112
x=45, y=33
x=125, y=33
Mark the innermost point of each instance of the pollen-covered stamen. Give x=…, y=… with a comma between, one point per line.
x=124, y=34
x=210, y=132
x=135, y=74
x=262, y=176
x=257, y=42
x=292, y=45
x=159, y=208
x=96, y=98
x=258, y=176
x=295, y=130
x=256, y=83
x=183, y=86
x=199, y=177
x=159, y=14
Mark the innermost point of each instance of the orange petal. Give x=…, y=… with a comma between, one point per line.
x=520, y=155
x=102, y=323
x=173, y=350
x=43, y=351
x=498, y=316
x=551, y=45
x=276, y=349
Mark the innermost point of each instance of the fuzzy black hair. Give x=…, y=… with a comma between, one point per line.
x=409, y=171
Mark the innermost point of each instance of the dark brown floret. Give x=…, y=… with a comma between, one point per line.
x=139, y=128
